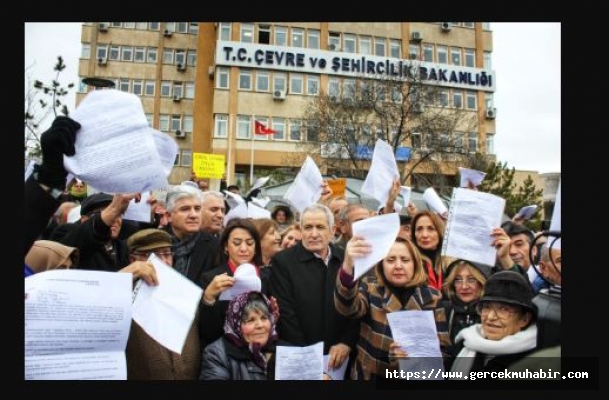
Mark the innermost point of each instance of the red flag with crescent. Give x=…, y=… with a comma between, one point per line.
x=260, y=129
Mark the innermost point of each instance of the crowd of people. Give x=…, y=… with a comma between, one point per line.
x=487, y=317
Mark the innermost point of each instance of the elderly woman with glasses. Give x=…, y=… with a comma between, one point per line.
x=507, y=331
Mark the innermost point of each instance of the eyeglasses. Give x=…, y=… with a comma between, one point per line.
x=163, y=254
x=470, y=281
x=502, y=311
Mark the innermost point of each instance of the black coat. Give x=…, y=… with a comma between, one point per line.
x=39, y=208
x=222, y=360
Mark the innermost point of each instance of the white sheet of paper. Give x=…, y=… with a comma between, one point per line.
x=167, y=311
x=433, y=201
x=383, y=171
x=140, y=211
x=77, y=324
x=416, y=332
x=167, y=148
x=262, y=202
x=116, y=151
x=74, y=214
x=471, y=175
x=240, y=211
x=380, y=232
x=260, y=182
x=306, y=188
x=30, y=169
x=337, y=374
x=555, y=221
x=233, y=199
x=471, y=218
x=527, y=212
x=246, y=280
x=255, y=212
x=300, y=363
x=406, y=191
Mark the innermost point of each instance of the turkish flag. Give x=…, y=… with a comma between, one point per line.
x=262, y=130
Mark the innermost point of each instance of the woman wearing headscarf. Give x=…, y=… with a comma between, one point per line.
x=507, y=331
x=398, y=283
x=246, y=350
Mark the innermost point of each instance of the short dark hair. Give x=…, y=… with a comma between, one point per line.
x=513, y=229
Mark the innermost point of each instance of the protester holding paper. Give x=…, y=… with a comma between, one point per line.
x=428, y=233
x=246, y=349
x=239, y=244
x=399, y=283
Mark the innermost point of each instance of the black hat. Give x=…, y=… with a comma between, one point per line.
x=510, y=287
x=485, y=270
x=94, y=202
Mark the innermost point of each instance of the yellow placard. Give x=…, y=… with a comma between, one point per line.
x=208, y=165
x=338, y=186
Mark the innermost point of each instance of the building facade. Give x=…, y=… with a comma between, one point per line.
x=206, y=83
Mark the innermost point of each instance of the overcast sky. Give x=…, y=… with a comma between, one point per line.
x=526, y=61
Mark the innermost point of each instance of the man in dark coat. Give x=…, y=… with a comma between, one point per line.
x=303, y=279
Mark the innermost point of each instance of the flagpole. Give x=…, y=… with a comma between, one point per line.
x=252, y=158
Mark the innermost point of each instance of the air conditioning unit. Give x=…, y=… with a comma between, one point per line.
x=102, y=61
x=446, y=26
x=181, y=67
x=279, y=95
x=491, y=113
x=416, y=35
x=168, y=33
x=180, y=134
x=210, y=71
x=103, y=27
x=417, y=108
x=177, y=97
x=333, y=47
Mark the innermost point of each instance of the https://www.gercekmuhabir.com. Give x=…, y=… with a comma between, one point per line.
x=439, y=374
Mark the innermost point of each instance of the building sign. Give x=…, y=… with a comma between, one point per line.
x=313, y=61
x=208, y=165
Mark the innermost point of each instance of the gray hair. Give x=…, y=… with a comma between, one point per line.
x=180, y=192
x=211, y=193
x=316, y=208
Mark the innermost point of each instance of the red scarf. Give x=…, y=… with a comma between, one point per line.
x=232, y=267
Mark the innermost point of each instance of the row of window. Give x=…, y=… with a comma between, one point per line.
x=179, y=27
x=140, y=54
x=172, y=122
x=147, y=87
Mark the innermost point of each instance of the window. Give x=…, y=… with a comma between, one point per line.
x=180, y=56
x=472, y=142
x=168, y=56
x=225, y=31
x=444, y=140
x=488, y=100
x=312, y=85
x=470, y=58
x=297, y=37
x=458, y=141
x=296, y=83
x=470, y=98
x=102, y=51
x=490, y=143
x=82, y=87
x=457, y=99
x=279, y=82
x=264, y=34
x=85, y=51
x=334, y=41
x=349, y=43
x=486, y=26
x=116, y=24
x=166, y=88
x=129, y=25
x=313, y=39
x=379, y=46
x=413, y=52
x=396, y=94
x=222, y=78
x=264, y=121
x=189, y=90
x=455, y=55
x=221, y=126
x=281, y=36
x=191, y=58
x=244, y=123
x=164, y=122
x=186, y=158
x=140, y=54
x=176, y=123
x=395, y=48
x=127, y=53
x=187, y=123
x=149, y=119
x=182, y=27
x=468, y=24
x=138, y=87
x=262, y=81
x=124, y=85
x=150, y=88
x=152, y=55
x=312, y=131
x=279, y=128
x=154, y=26
x=487, y=60
x=193, y=28
x=428, y=52
x=442, y=54
x=444, y=98
x=177, y=89
x=415, y=139
x=245, y=79
x=247, y=33
x=365, y=45
x=334, y=87
x=349, y=89
x=295, y=130
x=115, y=53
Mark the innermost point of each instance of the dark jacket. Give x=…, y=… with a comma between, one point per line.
x=39, y=208
x=304, y=288
x=222, y=360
